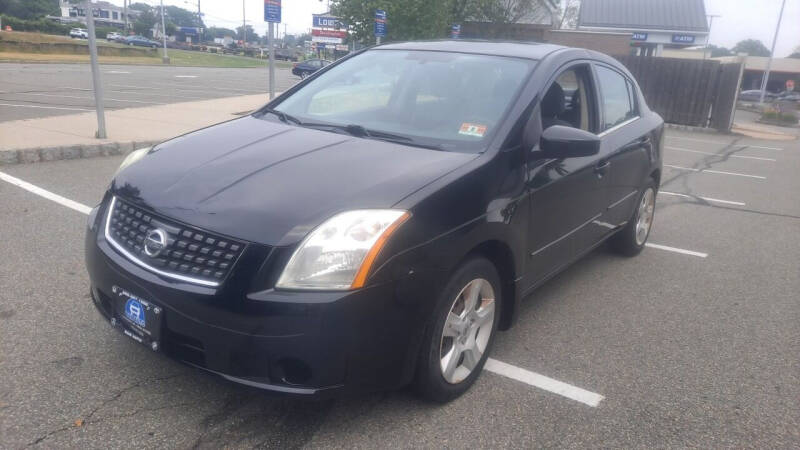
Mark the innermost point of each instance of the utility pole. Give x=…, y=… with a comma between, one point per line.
x=125, y=13
x=711, y=18
x=244, y=28
x=200, y=22
x=165, y=58
x=96, y=81
x=271, y=45
x=771, y=55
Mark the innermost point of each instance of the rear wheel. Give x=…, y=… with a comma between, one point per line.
x=304, y=75
x=632, y=238
x=460, y=333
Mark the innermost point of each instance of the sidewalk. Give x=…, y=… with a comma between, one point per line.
x=746, y=123
x=72, y=136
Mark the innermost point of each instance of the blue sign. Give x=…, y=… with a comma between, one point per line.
x=134, y=311
x=455, y=32
x=639, y=37
x=380, y=22
x=683, y=38
x=328, y=22
x=272, y=11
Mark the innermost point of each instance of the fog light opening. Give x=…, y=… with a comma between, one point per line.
x=293, y=371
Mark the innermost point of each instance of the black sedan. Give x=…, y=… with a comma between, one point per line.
x=307, y=67
x=140, y=41
x=376, y=224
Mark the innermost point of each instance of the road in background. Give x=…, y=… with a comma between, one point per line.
x=30, y=91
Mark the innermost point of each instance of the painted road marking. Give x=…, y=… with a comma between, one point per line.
x=719, y=154
x=45, y=107
x=677, y=250
x=715, y=171
x=117, y=72
x=185, y=76
x=492, y=365
x=543, y=382
x=46, y=194
x=708, y=199
x=180, y=87
x=723, y=143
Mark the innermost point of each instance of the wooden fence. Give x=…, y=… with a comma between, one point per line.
x=700, y=93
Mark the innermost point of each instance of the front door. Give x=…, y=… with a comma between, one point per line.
x=568, y=195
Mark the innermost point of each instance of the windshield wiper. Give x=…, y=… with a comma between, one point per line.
x=285, y=118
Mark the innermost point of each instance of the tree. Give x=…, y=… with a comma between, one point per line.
x=145, y=23
x=252, y=36
x=719, y=51
x=216, y=32
x=29, y=9
x=796, y=53
x=409, y=19
x=140, y=7
x=506, y=11
x=569, y=14
x=752, y=47
x=182, y=17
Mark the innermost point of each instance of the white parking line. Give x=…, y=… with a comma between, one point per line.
x=723, y=143
x=45, y=107
x=543, y=382
x=677, y=250
x=708, y=199
x=116, y=72
x=715, y=171
x=719, y=154
x=45, y=193
x=492, y=365
x=185, y=76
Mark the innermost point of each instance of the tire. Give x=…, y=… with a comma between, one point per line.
x=130, y=43
x=453, y=331
x=631, y=239
x=304, y=75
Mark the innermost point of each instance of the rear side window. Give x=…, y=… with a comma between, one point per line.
x=618, y=104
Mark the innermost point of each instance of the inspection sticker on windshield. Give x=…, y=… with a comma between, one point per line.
x=472, y=129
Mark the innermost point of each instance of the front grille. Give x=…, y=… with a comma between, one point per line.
x=190, y=254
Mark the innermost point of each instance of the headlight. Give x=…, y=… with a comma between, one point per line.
x=338, y=254
x=132, y=157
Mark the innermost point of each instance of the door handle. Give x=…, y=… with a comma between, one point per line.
x=601, y=168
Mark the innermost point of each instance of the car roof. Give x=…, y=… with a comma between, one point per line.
x=529, y=50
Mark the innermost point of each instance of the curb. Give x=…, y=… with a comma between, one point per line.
x=692, y=129
x=80, y=151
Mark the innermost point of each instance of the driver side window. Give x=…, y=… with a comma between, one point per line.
x=569, y=101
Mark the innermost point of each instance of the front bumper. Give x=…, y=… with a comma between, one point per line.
x=298, y=343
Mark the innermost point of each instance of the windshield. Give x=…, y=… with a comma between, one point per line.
x=452, y=101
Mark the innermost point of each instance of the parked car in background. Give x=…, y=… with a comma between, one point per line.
x=286, y=54
x=306, y=68
x=113, y=36
x=375, y=225
x=755, y=96
x=140, y=41
x=789, y=96
x=78, y=33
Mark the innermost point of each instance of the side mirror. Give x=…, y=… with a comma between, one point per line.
x=562, y=142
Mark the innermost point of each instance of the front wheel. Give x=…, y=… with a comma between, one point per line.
x=303, y=75
x=460, y=333
x=631, y=239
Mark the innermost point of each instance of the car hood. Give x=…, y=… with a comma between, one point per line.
x=272, y=183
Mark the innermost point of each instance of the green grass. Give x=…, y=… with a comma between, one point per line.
x=177, y=57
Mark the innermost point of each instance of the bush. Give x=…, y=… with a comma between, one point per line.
x=775, y=115
x=102, y=32
x=41, y=25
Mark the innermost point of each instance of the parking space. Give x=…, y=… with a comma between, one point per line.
x=39, y=90
x=696, y=342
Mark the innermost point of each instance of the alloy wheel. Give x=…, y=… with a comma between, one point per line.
x=467, y=330
x=644, y=216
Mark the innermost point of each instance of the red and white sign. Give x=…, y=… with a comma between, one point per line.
x=789, y=85
x=329, y=33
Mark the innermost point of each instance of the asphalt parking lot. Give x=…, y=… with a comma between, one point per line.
x=694, y=343
x=30, y=91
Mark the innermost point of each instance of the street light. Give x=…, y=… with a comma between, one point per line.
x=771, y=55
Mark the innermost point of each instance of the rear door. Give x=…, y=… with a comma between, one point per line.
x=625, y=142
